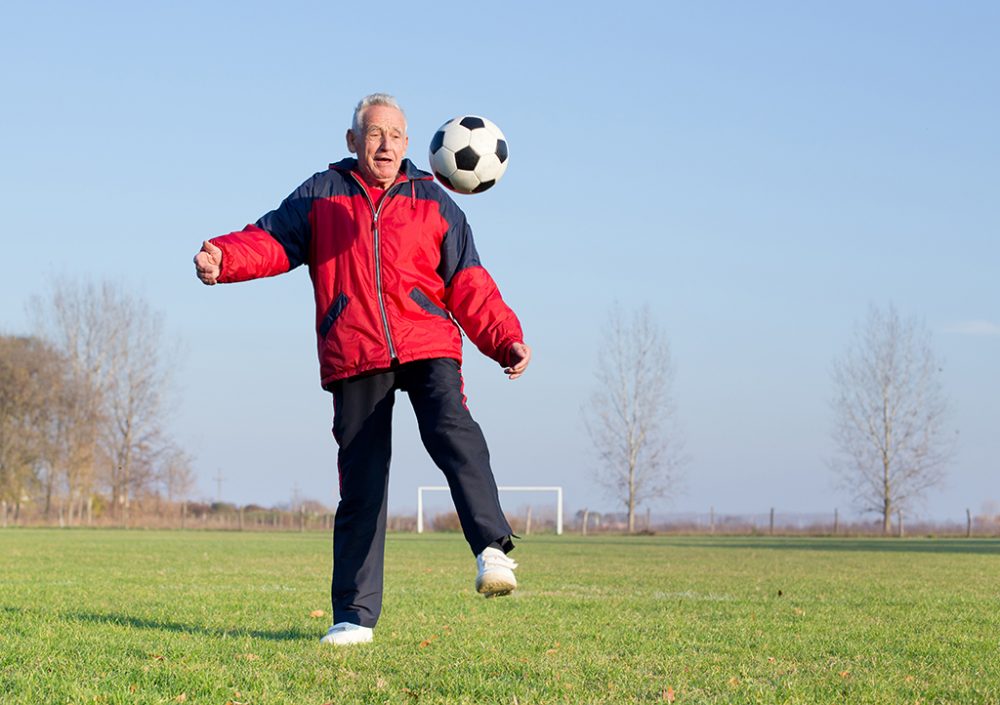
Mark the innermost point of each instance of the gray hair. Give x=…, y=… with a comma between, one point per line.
x=370, y=100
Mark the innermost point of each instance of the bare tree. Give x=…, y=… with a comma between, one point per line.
x=176, y=475
x=890, y=415
x=114, y=347
x=72, y=443
x=133, y=434
x=73, y=320
x=631, y=416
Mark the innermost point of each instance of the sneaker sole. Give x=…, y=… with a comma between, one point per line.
x=495, y=588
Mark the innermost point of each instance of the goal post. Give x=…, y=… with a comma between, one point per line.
x=503, y=488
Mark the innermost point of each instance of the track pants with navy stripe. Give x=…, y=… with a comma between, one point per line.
x=362, y=426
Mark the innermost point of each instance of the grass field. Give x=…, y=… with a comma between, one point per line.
x=201, y=617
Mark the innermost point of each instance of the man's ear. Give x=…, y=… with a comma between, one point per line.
x=351, y=147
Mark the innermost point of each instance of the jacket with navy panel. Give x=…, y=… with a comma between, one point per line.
x=390, y=279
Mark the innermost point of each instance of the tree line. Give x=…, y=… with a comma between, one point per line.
x=84, y=401
x=889, y=415
x=83, y=408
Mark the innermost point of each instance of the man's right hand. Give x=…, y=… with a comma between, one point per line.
x=208, y=263
x=520, y=356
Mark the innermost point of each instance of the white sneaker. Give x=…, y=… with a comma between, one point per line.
x=496, y=573
x=345, y=633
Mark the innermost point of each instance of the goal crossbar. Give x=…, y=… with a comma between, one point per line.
x=503, y=488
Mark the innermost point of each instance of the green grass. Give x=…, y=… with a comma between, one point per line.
x=168, y=617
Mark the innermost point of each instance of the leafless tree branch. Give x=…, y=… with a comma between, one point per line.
x=890, y=415
x=631, y=416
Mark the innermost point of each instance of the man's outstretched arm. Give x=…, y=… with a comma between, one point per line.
x=276, y=243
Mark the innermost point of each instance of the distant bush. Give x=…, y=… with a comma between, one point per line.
x=447, y=521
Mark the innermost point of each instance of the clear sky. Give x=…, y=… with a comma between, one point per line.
x=759, y=173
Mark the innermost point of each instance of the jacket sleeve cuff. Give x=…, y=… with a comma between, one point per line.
x=504, y=352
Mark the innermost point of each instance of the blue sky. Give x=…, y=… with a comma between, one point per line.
x=759, y=173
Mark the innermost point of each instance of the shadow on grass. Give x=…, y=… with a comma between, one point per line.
x=162, y=625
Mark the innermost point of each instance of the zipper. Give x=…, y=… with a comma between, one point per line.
x=378, y=255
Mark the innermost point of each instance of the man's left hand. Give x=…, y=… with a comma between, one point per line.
x=520, y=356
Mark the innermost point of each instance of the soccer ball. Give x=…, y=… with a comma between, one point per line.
x=468, y=154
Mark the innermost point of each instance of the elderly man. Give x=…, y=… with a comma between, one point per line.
x=395, y=273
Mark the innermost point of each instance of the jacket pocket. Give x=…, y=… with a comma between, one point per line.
x=332, y=314
x=422, y=300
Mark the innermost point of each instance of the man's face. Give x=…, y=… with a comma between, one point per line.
x=381, y=145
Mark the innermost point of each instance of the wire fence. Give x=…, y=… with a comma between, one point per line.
x=771, y=522
x=525, y=521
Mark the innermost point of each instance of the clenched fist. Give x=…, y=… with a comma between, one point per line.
x=208, y=263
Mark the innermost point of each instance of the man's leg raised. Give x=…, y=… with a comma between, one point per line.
x=457, y=445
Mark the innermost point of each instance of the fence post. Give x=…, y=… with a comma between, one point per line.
x=968, y=524
x=771, y=527
x=711, y=519
x=302, y=518
x=836, y=521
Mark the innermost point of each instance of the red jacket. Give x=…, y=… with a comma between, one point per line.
x=390, y=279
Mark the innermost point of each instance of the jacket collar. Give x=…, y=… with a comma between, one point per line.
x=406, y=168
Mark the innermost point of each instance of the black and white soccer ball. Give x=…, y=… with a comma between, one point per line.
x=468, y=154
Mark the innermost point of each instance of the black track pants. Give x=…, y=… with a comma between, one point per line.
x=362, y=426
